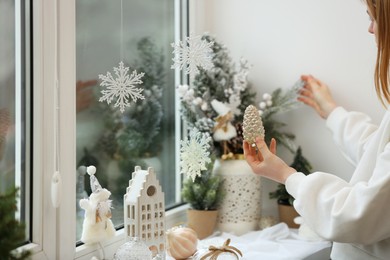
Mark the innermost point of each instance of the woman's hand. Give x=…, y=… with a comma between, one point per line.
x=264, y=161
x=317, y=95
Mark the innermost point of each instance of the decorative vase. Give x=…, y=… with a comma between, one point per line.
x=287, y=214
x=240, y=209
x=202, y=221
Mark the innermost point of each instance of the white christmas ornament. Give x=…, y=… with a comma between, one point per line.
x=191, y=53
x=97, y=225
x=223, y=129
x=123, y=87
x=195, y=153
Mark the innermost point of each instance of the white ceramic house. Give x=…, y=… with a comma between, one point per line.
x=144, y=210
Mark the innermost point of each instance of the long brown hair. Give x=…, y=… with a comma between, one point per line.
x=380, y=12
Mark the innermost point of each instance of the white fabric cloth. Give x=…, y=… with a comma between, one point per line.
x=356, y=213
x=277, y=243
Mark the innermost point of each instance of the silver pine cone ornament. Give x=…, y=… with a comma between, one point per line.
x=252, y=126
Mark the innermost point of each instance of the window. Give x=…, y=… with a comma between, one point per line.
x=15, y=105
x=42, y=132
x=139, y=34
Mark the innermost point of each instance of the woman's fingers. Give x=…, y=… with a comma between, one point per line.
x=272, y=146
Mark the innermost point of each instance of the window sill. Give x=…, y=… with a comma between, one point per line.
x=174, y=217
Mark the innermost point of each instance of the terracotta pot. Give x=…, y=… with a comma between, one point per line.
x=287, y=213
x=202, y=221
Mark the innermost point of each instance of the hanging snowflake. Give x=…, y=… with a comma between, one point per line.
x=195, y=154
x=192, y=52
x=123, y=87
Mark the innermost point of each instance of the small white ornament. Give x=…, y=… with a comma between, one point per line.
x=262, y=105
x=123, y=87
x=267, y=96
x=191, y=53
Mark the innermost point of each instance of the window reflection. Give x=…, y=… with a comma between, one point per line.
x=15, y=106
x=144, y=134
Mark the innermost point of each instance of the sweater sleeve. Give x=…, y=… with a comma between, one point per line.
x=350, y=130
x=342, y=212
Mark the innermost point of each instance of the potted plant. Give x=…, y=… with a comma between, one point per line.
x=202, y=189
x=285, y=201
x=215, y=102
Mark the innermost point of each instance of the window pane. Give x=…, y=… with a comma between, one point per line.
x=14, y=102
x=140, y=34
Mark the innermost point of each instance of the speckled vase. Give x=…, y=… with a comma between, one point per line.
x=240, y=210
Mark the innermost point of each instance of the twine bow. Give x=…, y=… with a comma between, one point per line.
x=225, y=248
x=222, y=121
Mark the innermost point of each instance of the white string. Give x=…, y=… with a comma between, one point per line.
x=57, y=89
x=121, y=36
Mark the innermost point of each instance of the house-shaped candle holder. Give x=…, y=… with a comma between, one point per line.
x=144, y=210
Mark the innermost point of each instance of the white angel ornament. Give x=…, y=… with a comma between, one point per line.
x=97, y=225
x=223, y=129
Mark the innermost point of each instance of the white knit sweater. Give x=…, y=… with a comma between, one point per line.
x=355, y=214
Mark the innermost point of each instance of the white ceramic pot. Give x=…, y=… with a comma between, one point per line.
x=240, y=209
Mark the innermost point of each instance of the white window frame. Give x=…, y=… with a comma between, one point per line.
x=54, y=77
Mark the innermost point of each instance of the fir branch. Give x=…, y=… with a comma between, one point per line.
x=12, y=232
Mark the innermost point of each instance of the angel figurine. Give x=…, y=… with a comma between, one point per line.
x=223, y=129
x=97, y=225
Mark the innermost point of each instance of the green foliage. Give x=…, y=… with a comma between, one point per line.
x=301, y=164
x=218, y=83
x=205, y=192
x=12, y=232
x=282, y=101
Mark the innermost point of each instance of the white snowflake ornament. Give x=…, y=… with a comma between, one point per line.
x=195, y=154
x=122, y=87
x=192, y=53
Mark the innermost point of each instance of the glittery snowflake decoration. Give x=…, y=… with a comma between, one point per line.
x=192, y=53
x=122, y=87
x=195, y=154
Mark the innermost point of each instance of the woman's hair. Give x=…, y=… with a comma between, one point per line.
x=380, y=12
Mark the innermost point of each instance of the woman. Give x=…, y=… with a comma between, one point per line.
x=355, y=214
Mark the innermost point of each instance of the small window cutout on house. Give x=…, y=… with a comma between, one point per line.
x=143, y=236
x=132, y=212
x=128, y=231
x=143, y=216
x=155, y=206
x=151, y=190
x=149, y=226
x=156, y=234
x=161, y=214
x=148, y=206
x=133, y=230
x=143, y=207
x=149, y=216
x=155, y=214
x=160, y=205
x=143, y=227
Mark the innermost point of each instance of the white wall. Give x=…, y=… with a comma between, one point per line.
x=284, y=39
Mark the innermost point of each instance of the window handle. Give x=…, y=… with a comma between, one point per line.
x=56, y=189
